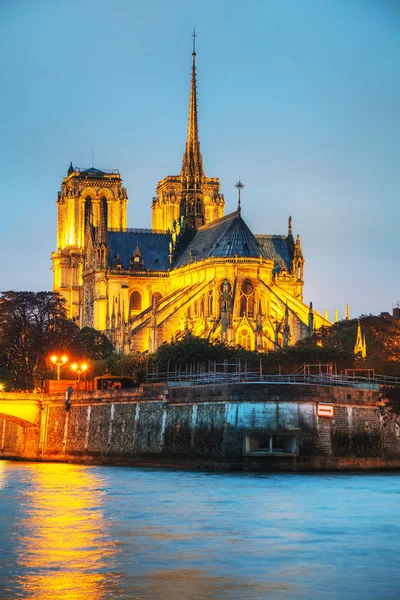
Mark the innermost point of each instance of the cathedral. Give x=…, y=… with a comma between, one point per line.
x=197, y=270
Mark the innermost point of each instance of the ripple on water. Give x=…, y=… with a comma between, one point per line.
x=100, y=533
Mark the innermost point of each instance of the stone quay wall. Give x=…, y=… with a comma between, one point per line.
x=238, y=426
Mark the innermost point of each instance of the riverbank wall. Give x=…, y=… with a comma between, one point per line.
x=260, y=426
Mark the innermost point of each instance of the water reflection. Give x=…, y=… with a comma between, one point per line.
x=64, y=550
x=96, y=533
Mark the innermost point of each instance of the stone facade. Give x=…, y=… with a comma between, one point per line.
x=250, y=426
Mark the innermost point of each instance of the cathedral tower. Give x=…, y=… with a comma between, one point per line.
x=87, y=196
x=191, y=194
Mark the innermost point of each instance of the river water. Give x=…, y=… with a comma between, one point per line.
x=76, y=532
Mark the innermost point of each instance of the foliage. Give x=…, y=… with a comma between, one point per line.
x=32, y=325
x=6, y=379
x=392, y=395
x=93, y=344
x=382, y=333
x=193, y=350
x=133, y=365
x=293, y=358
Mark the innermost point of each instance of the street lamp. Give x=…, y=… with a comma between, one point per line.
x=79, y=369
x=59, y=361
x=1, y=387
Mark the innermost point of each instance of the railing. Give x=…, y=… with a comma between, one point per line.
x=106, y=171
x=191, y=377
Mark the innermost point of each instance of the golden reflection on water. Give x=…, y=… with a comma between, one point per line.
x=64, y=550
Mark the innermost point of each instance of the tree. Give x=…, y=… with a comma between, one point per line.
x=382, y=333
x=32, y=325
x=94, y=344
x=193, y=350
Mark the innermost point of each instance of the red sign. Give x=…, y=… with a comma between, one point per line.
x=325, y=410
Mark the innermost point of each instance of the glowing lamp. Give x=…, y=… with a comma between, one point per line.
x=79, y=369
x=59, y=361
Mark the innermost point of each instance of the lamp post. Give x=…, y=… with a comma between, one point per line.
x=59, y=361
x=79, y=369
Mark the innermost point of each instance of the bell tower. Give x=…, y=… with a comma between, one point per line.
x=87, y=197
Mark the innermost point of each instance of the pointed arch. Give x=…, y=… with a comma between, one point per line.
x=247, y=299
x=135, y=302
x=104, y=211
x=88, y=211
x=244, y=338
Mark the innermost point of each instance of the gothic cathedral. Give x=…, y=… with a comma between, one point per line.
x=195, y=271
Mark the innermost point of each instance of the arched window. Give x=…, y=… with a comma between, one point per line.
x=135, y=302
x=247, y=299
x=201, y=307
x=104, y=211
x=244, y=339
x=225, y=290
x=88, y=211
x=210, y=303
x=199, y=207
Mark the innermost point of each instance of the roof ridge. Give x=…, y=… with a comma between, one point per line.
x=138, y=230
x=270, y=235
x=220, y=220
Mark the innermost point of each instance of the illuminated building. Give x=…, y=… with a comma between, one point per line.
x=196, y=270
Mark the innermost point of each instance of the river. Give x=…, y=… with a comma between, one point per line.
x=77, y=532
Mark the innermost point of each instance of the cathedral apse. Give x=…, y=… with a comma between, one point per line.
x=197, y=270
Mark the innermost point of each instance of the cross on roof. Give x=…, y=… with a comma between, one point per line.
x=239, y=186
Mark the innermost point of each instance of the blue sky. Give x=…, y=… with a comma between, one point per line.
x=299, y=98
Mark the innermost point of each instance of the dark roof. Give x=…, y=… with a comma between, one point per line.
x=92, y=171
x=154, y=248
x=226, y=237
x=277, y=248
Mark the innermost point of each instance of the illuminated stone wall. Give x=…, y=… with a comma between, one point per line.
x=212, y=425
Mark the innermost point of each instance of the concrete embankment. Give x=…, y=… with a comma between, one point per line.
x=238, y=426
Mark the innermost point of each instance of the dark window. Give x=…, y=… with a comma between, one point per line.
x=247, y=299
x=136, y=302
x=104, y=211
x=88, y=211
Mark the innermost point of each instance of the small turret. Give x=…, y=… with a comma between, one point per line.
x=298, y=260
x=290, y=235
x=310, y=320
x=286, y=328
x=360, y=346
x=136, y=261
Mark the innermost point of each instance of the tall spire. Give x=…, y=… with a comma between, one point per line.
x=192, y=165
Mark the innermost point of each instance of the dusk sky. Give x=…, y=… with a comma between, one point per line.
x=300, y=98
